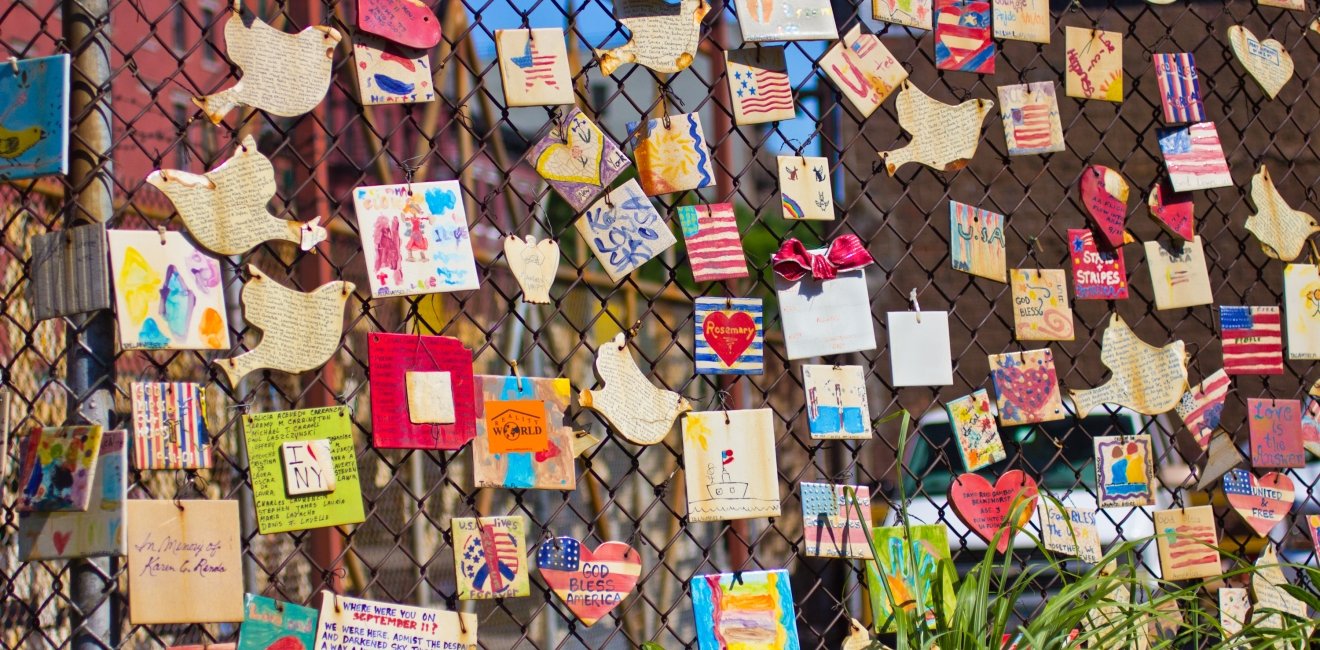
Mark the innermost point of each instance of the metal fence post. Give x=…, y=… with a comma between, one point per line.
x=89, y=199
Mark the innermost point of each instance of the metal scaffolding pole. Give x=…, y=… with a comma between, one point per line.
x=89, y=199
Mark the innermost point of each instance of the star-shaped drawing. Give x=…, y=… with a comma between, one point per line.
x=1144, y=378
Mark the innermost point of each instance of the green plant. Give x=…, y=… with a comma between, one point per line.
x=1111, y=604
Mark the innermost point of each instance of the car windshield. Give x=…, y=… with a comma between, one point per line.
x=1060, y=453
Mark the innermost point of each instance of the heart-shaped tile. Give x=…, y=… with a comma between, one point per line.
x=1269, y=64
x=985, y=508
x=406, y=22
x=1174, y=211
x=1263, y=502
x=573, y=161
x=61, y=540
x=1105, y=195
x=729, y=334
x=591, y=583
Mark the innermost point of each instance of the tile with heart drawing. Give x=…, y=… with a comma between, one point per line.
x=729, y=336
x=1027, y=387
x=577, y=159
x=590, y=582
x=1263, y=501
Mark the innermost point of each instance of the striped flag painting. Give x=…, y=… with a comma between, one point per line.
x=1203, y=405
x=729, y=336
x=169, y=426
x=713, y=244
x=835, y=520
x=1031, y=118
x=1187, y=542
x=1180, y=88
x=1252, y=341
x=1193, y=157
x=962, y=36
x=759, y=85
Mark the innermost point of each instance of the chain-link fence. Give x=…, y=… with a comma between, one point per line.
x=138, y=63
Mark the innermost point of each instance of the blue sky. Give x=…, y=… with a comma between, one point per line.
x=600, y=29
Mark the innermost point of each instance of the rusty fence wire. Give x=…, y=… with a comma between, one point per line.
x=138, y=63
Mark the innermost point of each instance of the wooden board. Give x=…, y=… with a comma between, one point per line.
x=389, y=73
x=1187, y=543
x=1094, y=60
x=714, y=247
x=1026, y=387
x=1178, y=274
x=415, y=238
x=168, y=295
x=836, y=402
x=759, y=86
x=664, y=36
x=755, y=608
x=496, y=463
x=1281, y=229
x=729, y=336
x=185, y=562
x=863, y=70
x=995, y=512
x=976, y=241
x=672, y=154
x=1265, y=60
x=1030, y=115
x=96, y=532
x=1040, y=305
x=805, y=188
x=534, y=265
x=975, y=431
x=1276, y=432
x=1124, y=476
x=35, y=125
x=591, y=582
x=226, y=209
x=169, y=426
x=730, y=467
x=624, y=231
x=490, y=557
x=534, y=67
x=835, y=520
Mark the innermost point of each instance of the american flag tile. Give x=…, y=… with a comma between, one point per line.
x=1180, y=88
x=1194, y=158
x=1252, y=341
x=534, y=67
x=759, y=85
x=713, y=245
x=1031, y=118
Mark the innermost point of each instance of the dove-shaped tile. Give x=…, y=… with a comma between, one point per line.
x=226, y=209
x=664, y=36
x=640, y=412
x=1144, y=378
x=283, y=74
x=299, y=331
x=944, y=137
x=1282, y=231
